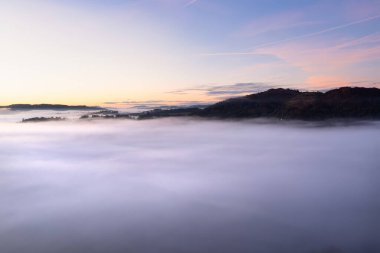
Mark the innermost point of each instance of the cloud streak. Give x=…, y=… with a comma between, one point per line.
x=191, y=2
x=226, y=91
x=154, y=104
x=308, y=35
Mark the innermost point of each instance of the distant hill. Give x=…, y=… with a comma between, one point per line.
x=56, y=107
x=344, y=102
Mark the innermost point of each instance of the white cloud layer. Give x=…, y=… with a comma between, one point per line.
x=188, y=186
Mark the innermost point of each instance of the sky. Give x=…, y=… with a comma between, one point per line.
x=123, y=52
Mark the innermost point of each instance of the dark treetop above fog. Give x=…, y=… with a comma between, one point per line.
x=347, y=102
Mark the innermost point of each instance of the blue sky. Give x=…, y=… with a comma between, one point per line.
x=93, y=51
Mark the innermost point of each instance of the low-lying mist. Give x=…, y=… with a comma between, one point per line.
x=188, y=186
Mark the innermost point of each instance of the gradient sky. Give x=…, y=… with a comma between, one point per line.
x=124, y=52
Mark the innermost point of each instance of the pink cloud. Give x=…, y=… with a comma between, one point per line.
x=312, y=58
x=328, y=82
x=325, y=82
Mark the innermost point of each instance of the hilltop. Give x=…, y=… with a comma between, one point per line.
x=341, y=103
x=56, y=107
x=346, y=102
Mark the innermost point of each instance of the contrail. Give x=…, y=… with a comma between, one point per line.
x=295, y=38
x=228, y=53
x=191, y=2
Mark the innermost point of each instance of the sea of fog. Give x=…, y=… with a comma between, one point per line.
x=187, y=185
